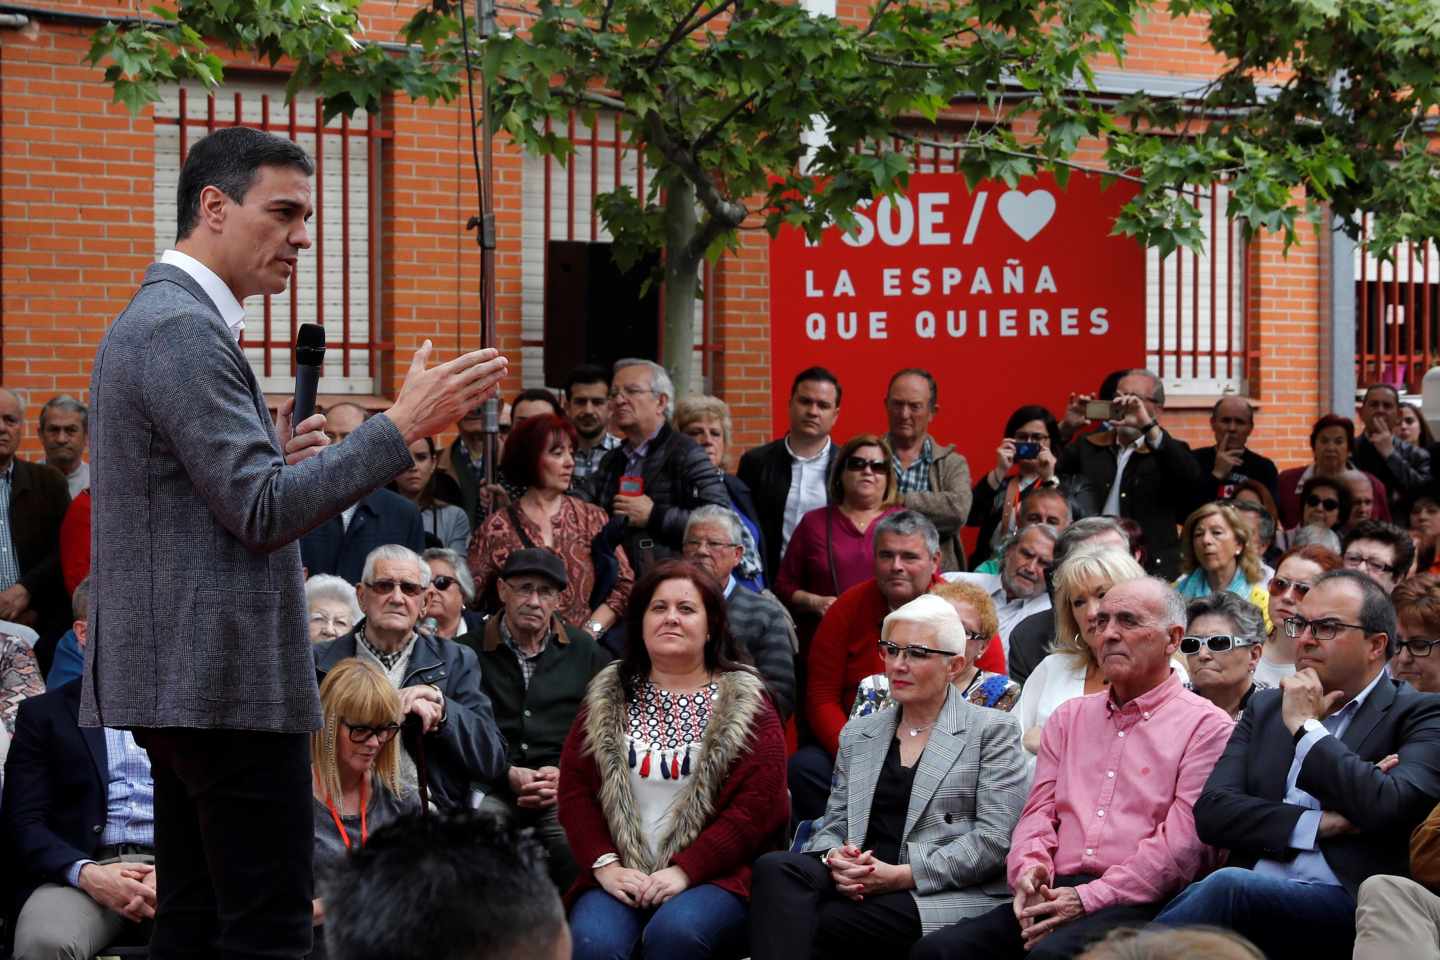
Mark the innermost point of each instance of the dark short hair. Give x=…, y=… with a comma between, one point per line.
x=1333, y=420
x=1380, y=386
x=587, y=373
x=1377, y=613
x=1042, y=493
x=1388, y=534
x=1034, y=411
x=527, y=443
x=1342, y=493
x=722, y=653
x=229, y=160
x=463, y=886
x=925, y=375
x=535, y=393
x=816, y=375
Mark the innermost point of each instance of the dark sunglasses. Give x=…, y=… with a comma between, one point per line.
x=407, y=587
x=892, y=651
x=860, y=464
x=1220, y=643
x=443, y=582
x=1329, y=503
x=360, y=732
x=1279, y=586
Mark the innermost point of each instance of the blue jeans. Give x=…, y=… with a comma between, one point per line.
x=1284, y=918
x=701, y=923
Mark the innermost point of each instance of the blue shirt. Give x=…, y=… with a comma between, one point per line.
x=1309, y=865
x=9, y=563
x=129, y=797
x=69, y=661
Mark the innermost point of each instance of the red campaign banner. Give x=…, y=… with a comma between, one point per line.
x=1007, y=296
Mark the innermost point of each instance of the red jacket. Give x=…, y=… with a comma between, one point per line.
x=845, y=651
x=748, y=801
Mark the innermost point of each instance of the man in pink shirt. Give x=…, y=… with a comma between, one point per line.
x=1108, y=833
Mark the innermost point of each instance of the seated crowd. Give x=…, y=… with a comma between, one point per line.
x=1172, y=700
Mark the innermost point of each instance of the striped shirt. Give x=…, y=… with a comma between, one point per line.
x=129, y=797
x=9, y=563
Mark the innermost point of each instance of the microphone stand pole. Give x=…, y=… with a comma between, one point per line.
x=484, y=225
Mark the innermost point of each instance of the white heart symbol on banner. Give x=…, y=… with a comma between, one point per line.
x=1026, y=215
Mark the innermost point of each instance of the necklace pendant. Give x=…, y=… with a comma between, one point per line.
x=913, y=732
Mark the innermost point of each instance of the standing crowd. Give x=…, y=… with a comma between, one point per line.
x=785, y=712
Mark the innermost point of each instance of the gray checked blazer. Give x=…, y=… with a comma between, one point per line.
x=197, y=604
x=967, y=795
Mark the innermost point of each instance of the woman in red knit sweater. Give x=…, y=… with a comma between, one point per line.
x=672, y=781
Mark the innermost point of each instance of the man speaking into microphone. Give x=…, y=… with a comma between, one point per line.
x=197, y=616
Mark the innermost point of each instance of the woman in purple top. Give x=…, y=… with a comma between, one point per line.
x=832, y=548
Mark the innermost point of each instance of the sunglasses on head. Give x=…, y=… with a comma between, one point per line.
x=1219, y=643
x=1329, y=503
x=860, y=464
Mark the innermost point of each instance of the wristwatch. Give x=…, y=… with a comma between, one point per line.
x=1308, y=727
x=594, y=628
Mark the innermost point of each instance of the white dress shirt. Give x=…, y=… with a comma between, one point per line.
x=231, y=310
x=807, y=489
x=1009, y=612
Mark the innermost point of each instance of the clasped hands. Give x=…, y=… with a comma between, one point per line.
x=1040, y=908
x=635, y=888
x=125, y=888
x=534, y=789
x=857, y=873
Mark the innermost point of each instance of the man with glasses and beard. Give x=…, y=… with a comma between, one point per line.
x=438, y=680
x=1301, y=844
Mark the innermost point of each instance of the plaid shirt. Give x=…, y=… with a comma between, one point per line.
x=587, y=460
x=527, y=663
x=916, y=477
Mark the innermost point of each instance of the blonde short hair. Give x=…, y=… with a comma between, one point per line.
x=1106, y=564
x=1249, y=559
x=934, y=612
x=962, y=591
x=357, y=692
x=703, y=407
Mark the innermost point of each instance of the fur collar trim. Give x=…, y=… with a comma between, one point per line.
x=740, y=698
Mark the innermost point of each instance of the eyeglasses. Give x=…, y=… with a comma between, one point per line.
x=893, y=651
x=696, y=543
x=631, y=390
x=1041, y=438
x=1358, y=561
x=341, y=623
x=1319, y=629
x=384, y=587
x=542, y=591
x=1220, y=643
x=860, y=465
x=1418, y=646
x=360, y=732
x=1329, y=503
x=443, y=582
x=1279, y=586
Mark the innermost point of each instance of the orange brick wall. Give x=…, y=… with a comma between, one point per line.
x=75, y=209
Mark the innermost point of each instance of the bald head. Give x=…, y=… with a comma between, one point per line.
x=343, y=419
x=1140, y=624
x=1231, y=421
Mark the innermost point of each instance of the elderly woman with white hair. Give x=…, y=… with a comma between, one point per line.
x=332, y=607
x=918, y=821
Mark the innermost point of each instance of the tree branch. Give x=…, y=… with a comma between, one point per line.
x=722, y=214
x=880, y=8
x=602, y=100
x=684, y=28
x=709, y=135
x=605, y=15
x=959, y=146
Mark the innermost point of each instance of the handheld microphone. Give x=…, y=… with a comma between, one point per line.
x=309, y=358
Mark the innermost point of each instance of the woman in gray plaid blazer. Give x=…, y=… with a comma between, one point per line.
x=920, y=813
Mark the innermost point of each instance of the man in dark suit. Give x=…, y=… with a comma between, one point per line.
x=1304, y=797
x=33, y=500
x=198, y=636
x=788, y=477
x=1230, y=462
x=78, y=817
x=1138, y=470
